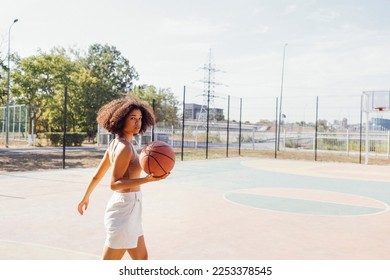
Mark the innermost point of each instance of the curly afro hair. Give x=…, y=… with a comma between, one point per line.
x=112, y=116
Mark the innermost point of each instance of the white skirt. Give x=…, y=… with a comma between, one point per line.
x=123, y=220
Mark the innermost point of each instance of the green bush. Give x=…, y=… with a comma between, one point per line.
x=72, y=138
x=293, y=143
x=54, y=138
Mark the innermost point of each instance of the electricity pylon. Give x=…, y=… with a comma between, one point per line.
x=208, y=97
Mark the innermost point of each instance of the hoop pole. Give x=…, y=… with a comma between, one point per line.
x=316, y=132
x=276, y=128
x=388, y=144
x=240, y=129
x=361, y=129
x=183, y=122
x=367, y=143
x=228, y=127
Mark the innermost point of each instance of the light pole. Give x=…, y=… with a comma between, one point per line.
x=281, y=95
x=8, y=86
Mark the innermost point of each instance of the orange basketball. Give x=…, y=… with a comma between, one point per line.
x=157, y=158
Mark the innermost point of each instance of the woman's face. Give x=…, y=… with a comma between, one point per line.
x=133, y=122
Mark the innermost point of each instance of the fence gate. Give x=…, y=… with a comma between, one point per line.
x=18, y=123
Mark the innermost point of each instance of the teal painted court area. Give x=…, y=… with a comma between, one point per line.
x=304, y=206
x=237, y=208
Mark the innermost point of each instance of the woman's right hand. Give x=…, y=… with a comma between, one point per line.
x=83, y=205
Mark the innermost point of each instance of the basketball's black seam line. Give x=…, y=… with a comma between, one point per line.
x=150, y=171
x=147, y=154
x=160, y=154
x=157, y=163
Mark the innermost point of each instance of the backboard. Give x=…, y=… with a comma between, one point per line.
x=376, y=101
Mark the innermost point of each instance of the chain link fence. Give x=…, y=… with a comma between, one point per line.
x=317, y=128
x=214, y=124
x=314, y=128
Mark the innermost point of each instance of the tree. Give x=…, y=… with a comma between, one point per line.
x=92, y=80
x=106, y=75
x=323, y=125
x=39, y=82
x=219, y=117
x=84, y=87
x=166, y=104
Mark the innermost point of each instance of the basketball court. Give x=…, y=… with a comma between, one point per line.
x=236, y=208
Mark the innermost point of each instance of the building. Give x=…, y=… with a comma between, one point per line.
x=193, y=110
x=380, y=124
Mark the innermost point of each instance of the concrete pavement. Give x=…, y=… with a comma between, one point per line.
x=236, y=208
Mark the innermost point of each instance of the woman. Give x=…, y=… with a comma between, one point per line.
x=125, y=118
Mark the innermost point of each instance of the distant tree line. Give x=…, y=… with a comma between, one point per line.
x=92, y=78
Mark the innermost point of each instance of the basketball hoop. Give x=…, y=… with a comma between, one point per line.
x=374, y=102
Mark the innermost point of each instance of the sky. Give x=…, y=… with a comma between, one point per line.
x=336, y=49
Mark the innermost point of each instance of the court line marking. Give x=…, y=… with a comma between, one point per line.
x=48, y=247
x=11, y=196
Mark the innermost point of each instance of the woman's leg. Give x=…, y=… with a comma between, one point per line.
x=139, y=253
x=112, y=254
